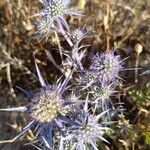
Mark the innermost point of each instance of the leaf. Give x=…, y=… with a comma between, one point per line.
x=147, y=137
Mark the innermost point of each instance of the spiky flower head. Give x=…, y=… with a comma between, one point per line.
x=92, y=129
x=54, y=10
x=103, y=91
x=47, y=104
x=86, y=79
x=87, y=135
x=89, y=129
x=106, y=66
x=123, y=124
x=78, y=35
x=48, y=110
x=101, y=95
x=44, y=28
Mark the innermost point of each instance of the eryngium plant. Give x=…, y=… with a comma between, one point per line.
x=51, y=18
x=106, y=67
x=78, y=121
x=91, y=130
x=81, y=121
x=87, y=136
x=48, y=110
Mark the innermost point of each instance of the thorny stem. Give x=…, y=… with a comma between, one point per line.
x=59, y=46
x=7, y=141
x=64, y=34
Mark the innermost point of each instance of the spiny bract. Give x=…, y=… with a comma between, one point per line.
x=88, y=134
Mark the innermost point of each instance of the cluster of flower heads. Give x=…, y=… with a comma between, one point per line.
x=101, y=78
x=72, y=115
x=69, y=122
x=58, y=119
x=51, y=18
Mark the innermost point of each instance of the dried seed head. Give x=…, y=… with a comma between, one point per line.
x=47, y=104
x=138, y=48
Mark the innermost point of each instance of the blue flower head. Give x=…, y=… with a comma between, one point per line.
x=106, y=66
x=78, y=35
x=44, y=28
x=48, y=110
x=52, y=15
x=101, y=95
x=87, y=135
x=86, y=79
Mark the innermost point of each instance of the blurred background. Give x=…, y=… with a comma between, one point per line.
x=123, y=25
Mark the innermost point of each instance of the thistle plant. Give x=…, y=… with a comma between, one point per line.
x=89, y=133
x=47, y=109
x=106, y=66
x=44, y=28
x=53, y=14
x=102, y=94
x=58, y=120
x=75, y=112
